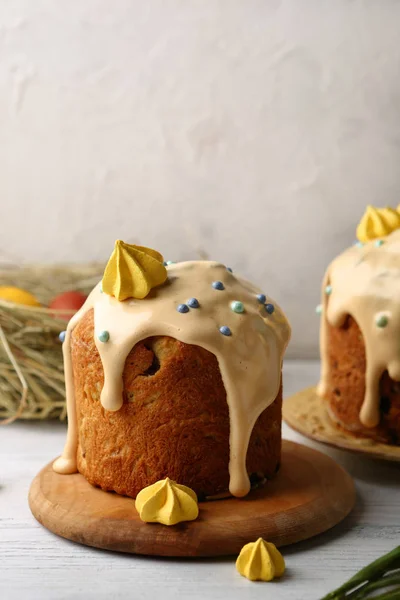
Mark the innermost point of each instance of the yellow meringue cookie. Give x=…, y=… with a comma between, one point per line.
x=133, y=271
x=260, y=561
x=377, y=222
x=167, y=502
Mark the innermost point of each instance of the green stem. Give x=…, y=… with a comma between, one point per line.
x=388, y=581
x=393, y=595
x=371, y=572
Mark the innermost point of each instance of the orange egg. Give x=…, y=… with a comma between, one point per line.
x=70, y=301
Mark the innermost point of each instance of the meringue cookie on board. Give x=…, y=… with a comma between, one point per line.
x=167, y=502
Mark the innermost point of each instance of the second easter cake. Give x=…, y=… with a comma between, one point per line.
x=360, y=331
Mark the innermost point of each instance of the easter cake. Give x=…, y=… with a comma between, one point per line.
x=360, y=331
x=173, y=371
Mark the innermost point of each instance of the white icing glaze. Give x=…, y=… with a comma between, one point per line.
x=365, y=284
x=250, y=360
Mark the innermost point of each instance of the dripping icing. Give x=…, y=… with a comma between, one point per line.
x=250, y=360
x=365, y=284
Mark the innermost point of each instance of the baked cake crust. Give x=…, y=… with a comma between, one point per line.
x=174, y=420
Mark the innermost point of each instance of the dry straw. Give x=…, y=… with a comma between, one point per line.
x=31, y=367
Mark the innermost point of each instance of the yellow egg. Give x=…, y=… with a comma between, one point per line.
x=14, y=294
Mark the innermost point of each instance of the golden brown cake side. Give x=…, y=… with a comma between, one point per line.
x=346, y=385
x=174, y=420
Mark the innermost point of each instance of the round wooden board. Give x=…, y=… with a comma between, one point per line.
x=310, y=494
x=305, y=412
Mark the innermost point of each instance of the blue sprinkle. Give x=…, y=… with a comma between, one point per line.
x=379, y=243
x=261, y=298
x=359, y=244
x=269, y=308
x=318, y=309
x=328, y=290
x=182, y=308
x=166, y=263
x=61, y=336
x=218, y=285
x=193, y=303
x=225, y=330
x=237, y=307
x=103, y=336
x=229, y=269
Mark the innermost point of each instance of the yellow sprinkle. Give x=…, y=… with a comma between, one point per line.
x=260, y=561
x=19, y=296
x=167, y=502
x=377, y=223
x=133, y=271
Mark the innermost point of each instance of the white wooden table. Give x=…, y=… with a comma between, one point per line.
x=37, y=565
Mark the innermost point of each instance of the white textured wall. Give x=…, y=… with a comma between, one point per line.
x=255, y=129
